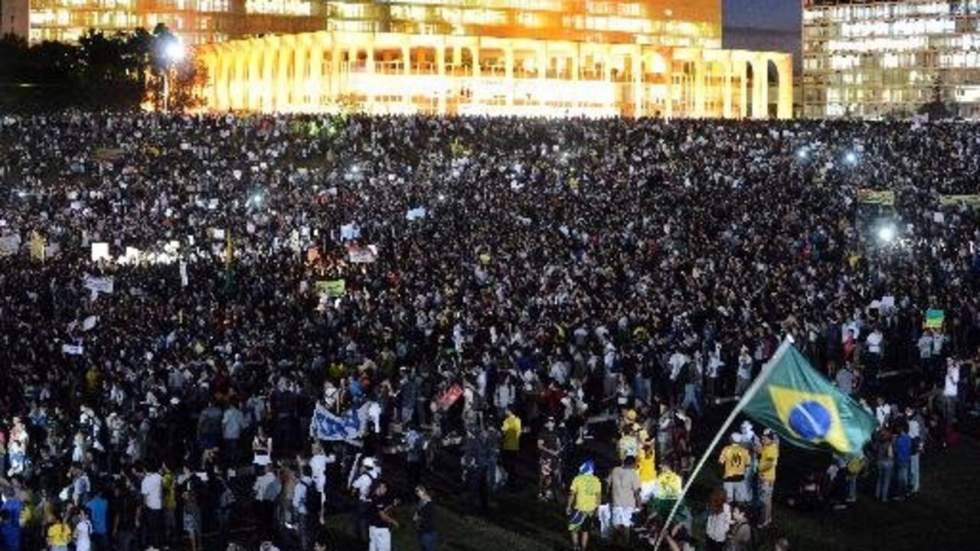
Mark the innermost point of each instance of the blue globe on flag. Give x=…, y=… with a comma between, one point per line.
x=810, y=420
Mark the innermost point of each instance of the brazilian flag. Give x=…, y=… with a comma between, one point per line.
x=797, y=402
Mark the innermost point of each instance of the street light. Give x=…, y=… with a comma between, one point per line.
x=886, y=234
x=174, y=50
x=851, y=158
x=173, y=53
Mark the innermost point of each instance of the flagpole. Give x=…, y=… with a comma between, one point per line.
x=746, y=398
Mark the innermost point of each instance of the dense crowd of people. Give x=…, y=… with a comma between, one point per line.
x=185, y=299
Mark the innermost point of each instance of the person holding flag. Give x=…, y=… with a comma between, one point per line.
x=768, y=458
x=794, y=400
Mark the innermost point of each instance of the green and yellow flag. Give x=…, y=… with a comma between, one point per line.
x=796, y=401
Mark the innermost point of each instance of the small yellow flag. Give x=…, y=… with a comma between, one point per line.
x=37, y=246
x=229, y=249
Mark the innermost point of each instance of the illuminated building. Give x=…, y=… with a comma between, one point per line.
x=195, y=21
x=515, y=57
x=888, y=58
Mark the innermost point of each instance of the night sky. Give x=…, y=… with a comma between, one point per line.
x=763, y=14
x=763, y=25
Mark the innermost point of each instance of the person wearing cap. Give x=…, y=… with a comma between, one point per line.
x=361, y=487
x=768, y=458
x=583, y=503
x=735, y=460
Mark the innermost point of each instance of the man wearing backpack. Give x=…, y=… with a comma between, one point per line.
x=362, y=487
x=306, y=505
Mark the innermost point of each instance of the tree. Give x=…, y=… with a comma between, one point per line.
x=117, y=72
x=106, y=81
x=936, y=108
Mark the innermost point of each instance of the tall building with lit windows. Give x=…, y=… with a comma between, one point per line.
x=195, y=21
x=887, y=58
x=505, y=57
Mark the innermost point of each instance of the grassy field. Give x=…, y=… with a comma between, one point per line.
x=942, y=517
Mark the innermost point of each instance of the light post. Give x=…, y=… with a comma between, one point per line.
x=173, y=53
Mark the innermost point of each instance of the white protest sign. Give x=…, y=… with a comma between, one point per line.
x=349, y=232
x=72, y=349
x=415, y=214
x=99, y=284
x=132, y=256
x=9, y=244
x=89, y=323
x=183, y=274
x=362, y=255
x=100, y=251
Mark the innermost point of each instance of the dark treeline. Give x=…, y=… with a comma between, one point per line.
x=116, y=72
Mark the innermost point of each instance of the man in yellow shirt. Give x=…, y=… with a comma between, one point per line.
x=768, y=457
x=735, y=460
x=510, y=444
x=583, y=503
x=59, y=536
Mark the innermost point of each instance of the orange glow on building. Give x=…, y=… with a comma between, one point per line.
x=530, y=57
x=450, y=74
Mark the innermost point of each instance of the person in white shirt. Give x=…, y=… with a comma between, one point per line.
x=744, y=374
x=301, y=493
x=719, y=521
x=318, y=465
x=151, y=488
x=714, y=369
x=83, y=531
x=677, y=361
x=951, y=390
x=362, y=485
x=874, y=342
x=882, y=411
x=267, y=489
x=915, y=433
x=924, y=344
